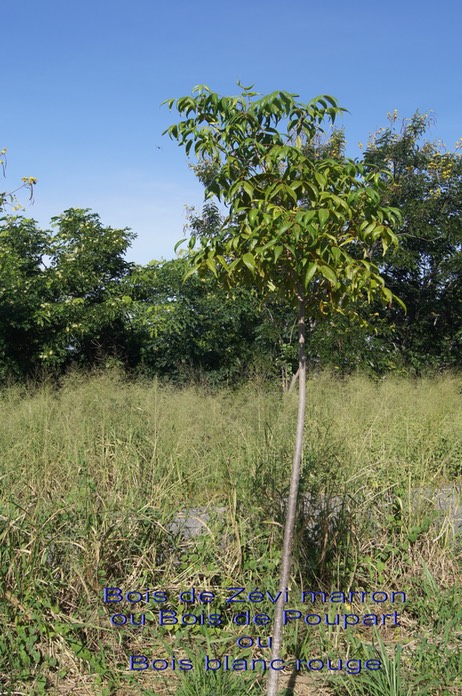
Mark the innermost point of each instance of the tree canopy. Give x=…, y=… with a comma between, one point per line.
x=426, y=268
x=67, y=295
x=293, y=221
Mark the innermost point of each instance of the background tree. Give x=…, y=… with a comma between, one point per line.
x=426, y=268
x=61, y=295
x=179, y=326
x=23, y=289
x=86, y=312
x=296, y=225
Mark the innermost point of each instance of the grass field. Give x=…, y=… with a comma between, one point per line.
x=96, y=473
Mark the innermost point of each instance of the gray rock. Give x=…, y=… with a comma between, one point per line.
x=446, y=501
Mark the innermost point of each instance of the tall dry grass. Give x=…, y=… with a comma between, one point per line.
x=94, y=474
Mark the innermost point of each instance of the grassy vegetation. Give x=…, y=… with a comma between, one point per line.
x=95, y=473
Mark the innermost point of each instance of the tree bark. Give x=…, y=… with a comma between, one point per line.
x=273, y=679
x=293, y=381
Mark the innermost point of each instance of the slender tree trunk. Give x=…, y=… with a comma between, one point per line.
x=292, y=502
x=293, y=382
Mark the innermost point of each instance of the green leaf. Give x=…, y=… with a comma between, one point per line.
x=310, y=271
x=388, y=295
x=323, y=216
x=277, y=252
x=329, y=273
x=189, y=273
x=178, y=244
x=249, y=261
x=222, y=260
x=305, y=218
x=248, y=188
x=253, y=216
x=211, y=264
x=322, y=181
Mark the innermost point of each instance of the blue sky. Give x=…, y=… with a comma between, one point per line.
x=82, y=84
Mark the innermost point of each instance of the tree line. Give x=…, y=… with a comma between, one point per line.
x=68, y=297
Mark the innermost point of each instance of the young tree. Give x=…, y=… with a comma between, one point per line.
x=295, y=224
